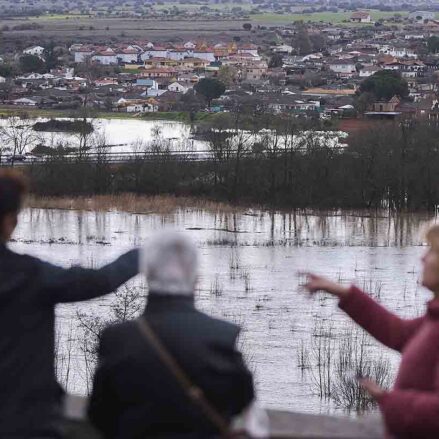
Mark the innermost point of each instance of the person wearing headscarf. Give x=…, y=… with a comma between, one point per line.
x=135, y=395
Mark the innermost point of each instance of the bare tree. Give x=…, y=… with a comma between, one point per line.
x=17, y=135
x=127, y=304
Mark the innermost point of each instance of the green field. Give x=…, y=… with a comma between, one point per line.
x=329, y=17
x=56, y=17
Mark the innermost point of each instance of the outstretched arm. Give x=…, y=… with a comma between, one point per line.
x=77, y=283
x=386, y=327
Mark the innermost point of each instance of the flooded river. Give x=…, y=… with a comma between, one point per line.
x=249, y=265
x=136, y=136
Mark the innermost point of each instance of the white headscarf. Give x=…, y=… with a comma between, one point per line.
x=170, y=263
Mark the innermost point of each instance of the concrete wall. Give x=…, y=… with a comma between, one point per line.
x=283, y=424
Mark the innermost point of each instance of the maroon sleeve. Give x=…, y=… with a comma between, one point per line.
x=411, y=413
x=385, y=326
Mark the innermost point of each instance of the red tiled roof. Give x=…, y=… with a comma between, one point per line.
x=360, y=14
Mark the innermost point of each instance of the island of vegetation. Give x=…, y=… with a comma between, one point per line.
x=64, y=126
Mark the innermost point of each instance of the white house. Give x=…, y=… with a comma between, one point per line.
x=127, y=55
x=368, y=71
x=32, y=76
x=106, y=57
x=283, y=49
x=137, y=105
x=179, y=54
x=25, y=102
x=34, y=50
x=2, y=80
x=248, y=48
x=360, y=17
x=189, y=45
x=343, y=67
x=81, y=53
x=414, y=36
x=147, y=82
x=398, y=52
x=207, y=55
x=178, y=87
x=153, y=92
x=154, y=52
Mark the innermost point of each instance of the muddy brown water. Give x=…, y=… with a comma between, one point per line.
x=248, y=274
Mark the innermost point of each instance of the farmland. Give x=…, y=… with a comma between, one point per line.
x=328, y=17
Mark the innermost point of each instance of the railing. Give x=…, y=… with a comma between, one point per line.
x=126, y=157
x=282, y=424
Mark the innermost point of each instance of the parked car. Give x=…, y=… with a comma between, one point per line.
x=16, y=158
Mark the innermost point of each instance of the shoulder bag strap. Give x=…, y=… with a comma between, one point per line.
x=194, y=392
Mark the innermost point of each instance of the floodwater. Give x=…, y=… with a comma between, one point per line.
x=131, y=136
x=248, y=274
x=122, y=135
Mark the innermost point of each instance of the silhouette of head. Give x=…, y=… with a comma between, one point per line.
x=12, y=192
x=170, y=264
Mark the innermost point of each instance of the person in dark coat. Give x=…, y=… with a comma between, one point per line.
x=135, y=395
x=30, y=397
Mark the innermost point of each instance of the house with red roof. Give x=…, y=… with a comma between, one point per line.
x=360, y=17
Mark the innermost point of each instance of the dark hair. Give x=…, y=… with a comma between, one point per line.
x=12, y=190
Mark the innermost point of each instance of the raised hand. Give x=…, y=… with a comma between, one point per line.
x=374, y=390
x=315, y=283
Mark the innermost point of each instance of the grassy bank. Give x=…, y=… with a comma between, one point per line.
x=39, y=112
x=160, y=204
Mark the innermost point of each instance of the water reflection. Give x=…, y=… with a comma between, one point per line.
x=253, y=257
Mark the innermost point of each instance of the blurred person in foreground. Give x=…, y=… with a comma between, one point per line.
x=136, y=393
x=411, y=408
x=30, y=397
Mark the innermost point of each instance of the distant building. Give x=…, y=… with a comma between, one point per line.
x=386, y=106
x=255, y=71
x=360, y=17
x=368, y=71
x=398, y=52
x=127, y=55
x=2, y=80
x=81, y=53
x=283, y=49
x=106, y=57
x=34, y=50
x=189, y=45
x=25, y=102
x=137, y=105
x=178, y=87
x=343, y=68
x=248, y=48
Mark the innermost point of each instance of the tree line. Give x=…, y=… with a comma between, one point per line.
x=392, y=165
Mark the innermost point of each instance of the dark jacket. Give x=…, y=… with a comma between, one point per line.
x=135, y=396
x=29, y=290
